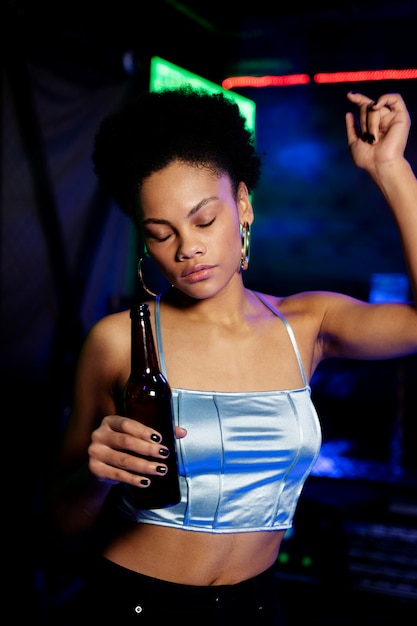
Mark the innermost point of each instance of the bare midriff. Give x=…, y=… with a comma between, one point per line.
x=194, y=558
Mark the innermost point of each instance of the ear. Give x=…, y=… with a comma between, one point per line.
x=244, y=205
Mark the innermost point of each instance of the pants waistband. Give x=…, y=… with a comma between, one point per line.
x=199, y=593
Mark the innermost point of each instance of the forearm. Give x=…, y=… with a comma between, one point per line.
x=398, y=184
x=76, y=502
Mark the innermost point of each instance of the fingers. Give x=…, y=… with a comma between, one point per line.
x=369, y=121
x=374, y=115
x=126, y=426
x=370, y=125
x=390, y=101
x=180, y=432
x=123, y=450
x=365, y=125
x=366, y=129
x=351, y=129
x=117, y=466
x=125, y=468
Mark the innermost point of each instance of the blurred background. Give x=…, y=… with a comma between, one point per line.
x=69, y=255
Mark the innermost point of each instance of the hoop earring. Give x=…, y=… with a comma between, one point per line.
x=140, y=275
x=245, y=250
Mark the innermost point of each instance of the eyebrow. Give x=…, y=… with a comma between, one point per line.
x=193, y=211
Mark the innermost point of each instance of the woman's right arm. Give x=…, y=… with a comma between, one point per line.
x=98, y=441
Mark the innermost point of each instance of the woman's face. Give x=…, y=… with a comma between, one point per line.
x=190, y=220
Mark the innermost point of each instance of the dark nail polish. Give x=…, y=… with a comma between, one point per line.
x=145, y=482
x=164, y=452
x=161, y=469
x=365, y=137
x=155, y=438
x=371, y=138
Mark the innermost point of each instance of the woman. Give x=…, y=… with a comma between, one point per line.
x=183, y=164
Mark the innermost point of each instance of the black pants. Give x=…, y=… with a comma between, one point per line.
x=114, y=593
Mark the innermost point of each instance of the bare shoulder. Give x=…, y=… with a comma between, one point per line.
x=308, y=303
x=322, y=322
x=104, y=362
x=115, y=322
x=110, y=335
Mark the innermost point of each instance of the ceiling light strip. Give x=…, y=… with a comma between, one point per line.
x=234, y=82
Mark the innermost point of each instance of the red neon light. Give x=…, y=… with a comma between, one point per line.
x=302, y=79
x=265, y=81
x=346, y=77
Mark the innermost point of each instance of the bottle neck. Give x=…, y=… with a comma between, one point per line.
x=143, y=353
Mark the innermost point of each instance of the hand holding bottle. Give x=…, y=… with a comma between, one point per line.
x=148, y=399
x=124, y=450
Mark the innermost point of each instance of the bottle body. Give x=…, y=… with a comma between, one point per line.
x=148, y=399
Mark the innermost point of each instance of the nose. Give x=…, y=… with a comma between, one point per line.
x=189, y=247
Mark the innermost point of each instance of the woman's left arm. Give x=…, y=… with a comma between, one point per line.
x=355, y=329
x=377, y=144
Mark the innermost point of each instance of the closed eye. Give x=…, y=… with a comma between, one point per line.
x=206, y=224
x=161, y=236
x=155, y=238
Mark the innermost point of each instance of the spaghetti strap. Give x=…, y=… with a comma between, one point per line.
x=289, y=331
x=265, y=302
x=158, y=336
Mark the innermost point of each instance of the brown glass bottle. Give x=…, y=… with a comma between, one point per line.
x=147, y=398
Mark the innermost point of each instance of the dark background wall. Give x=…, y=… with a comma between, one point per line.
x=68, y=255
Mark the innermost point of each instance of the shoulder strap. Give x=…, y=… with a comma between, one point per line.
x=290, y=334
x=158, y=336
x=265, y=302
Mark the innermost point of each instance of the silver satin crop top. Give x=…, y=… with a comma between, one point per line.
x=245, y=458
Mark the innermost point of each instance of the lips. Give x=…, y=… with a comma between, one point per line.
x=197, y=268
x=197, y=273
